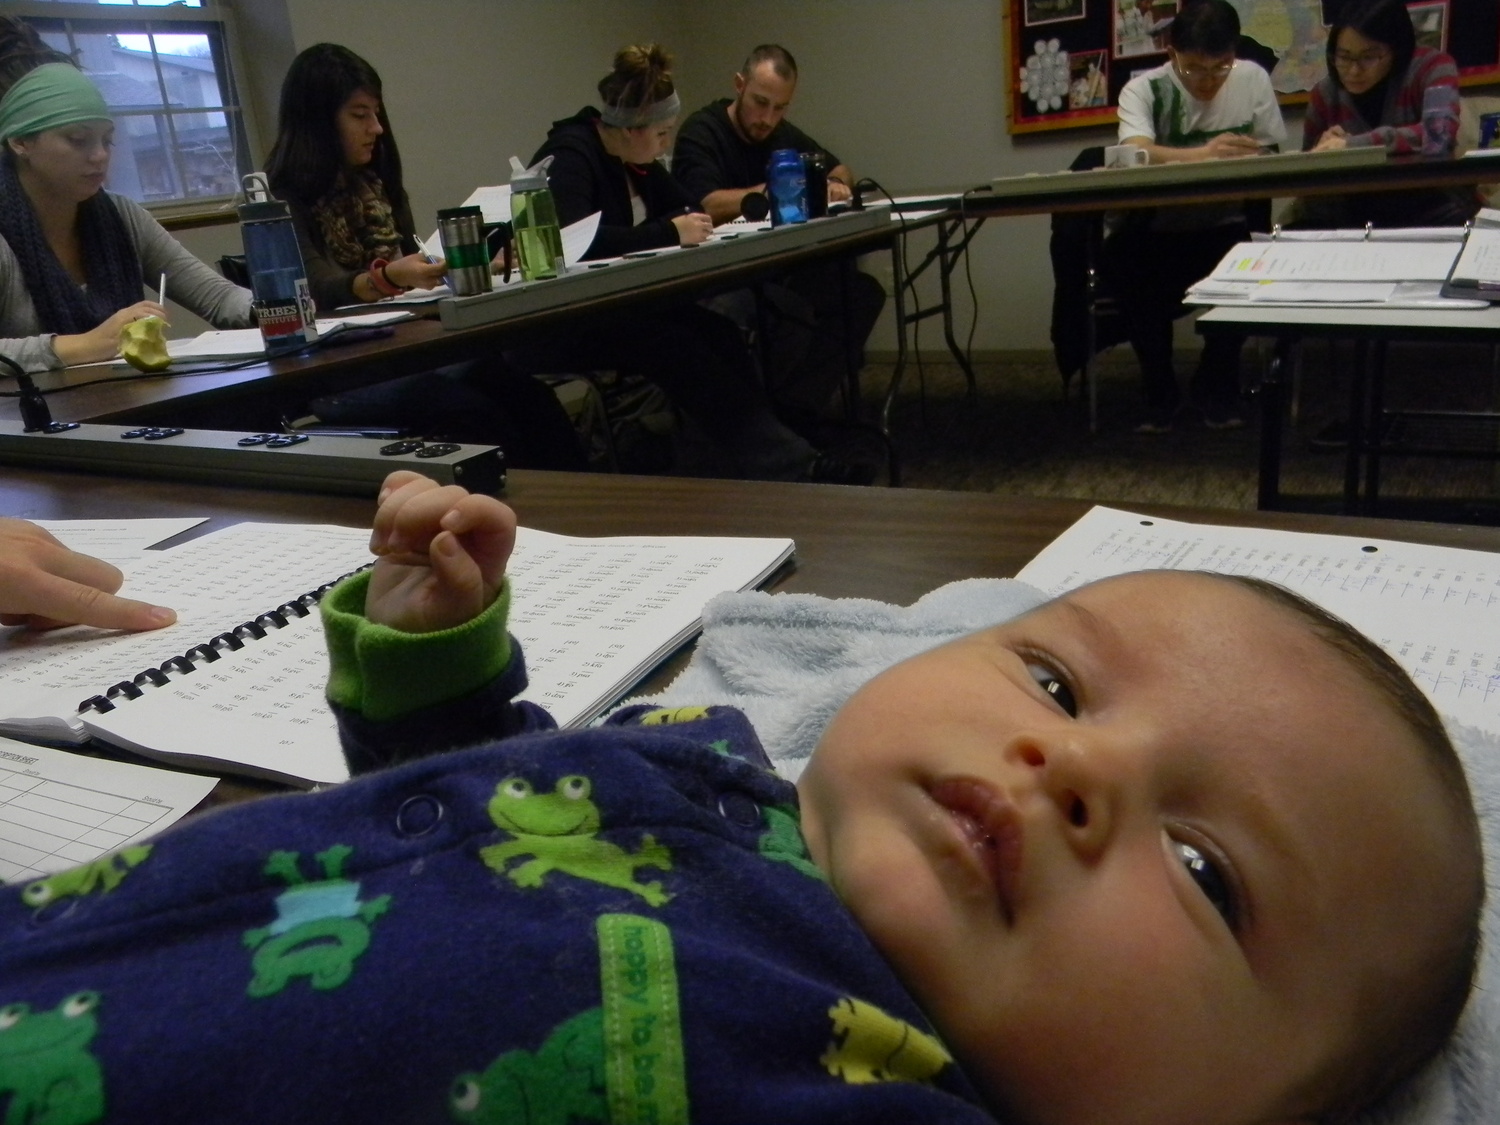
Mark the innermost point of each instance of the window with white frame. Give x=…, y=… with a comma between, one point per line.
x=164, y=68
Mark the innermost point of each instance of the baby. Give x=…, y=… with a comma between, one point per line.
x=1174, y=848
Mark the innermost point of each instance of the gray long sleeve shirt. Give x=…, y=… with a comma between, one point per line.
x=193, y=285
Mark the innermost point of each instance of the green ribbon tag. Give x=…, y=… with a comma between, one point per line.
x=644, y=1071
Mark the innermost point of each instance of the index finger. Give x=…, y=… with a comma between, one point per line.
x=58, y=600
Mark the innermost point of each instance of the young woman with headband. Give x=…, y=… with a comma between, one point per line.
x=74, y=258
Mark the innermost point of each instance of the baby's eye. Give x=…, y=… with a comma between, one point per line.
x=1205, y=872
x=1055, y=686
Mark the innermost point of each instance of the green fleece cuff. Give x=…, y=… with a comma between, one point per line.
x=383, y=673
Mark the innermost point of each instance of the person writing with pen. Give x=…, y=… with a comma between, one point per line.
x=74, y=258
x=606, y=161
x=336, y=164
x=1202, y=104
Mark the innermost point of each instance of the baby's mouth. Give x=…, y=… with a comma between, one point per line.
x=991, y=827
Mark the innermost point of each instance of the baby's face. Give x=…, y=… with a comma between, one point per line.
x=1136, y=853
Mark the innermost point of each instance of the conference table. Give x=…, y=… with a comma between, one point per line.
x=889, y=545
x=964, y=211
x=252, y=395
x=1372, y=330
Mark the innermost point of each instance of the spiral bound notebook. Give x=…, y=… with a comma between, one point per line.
x=237, y=684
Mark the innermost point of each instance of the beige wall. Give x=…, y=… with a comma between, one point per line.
x=909, y=92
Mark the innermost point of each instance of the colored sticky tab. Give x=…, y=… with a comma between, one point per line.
x=644, y=1071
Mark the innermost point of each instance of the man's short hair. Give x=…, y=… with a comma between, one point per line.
x=1405, y=1024
x=779, y=57
x=1210, y=27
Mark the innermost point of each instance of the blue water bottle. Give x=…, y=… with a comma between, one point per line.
x=786, y=184
x=279, y=294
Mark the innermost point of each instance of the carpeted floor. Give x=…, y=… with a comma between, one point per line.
x=1019, y=437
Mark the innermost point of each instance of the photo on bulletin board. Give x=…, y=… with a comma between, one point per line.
x=1044, y=77
x=1430, y=18
x=1054, y=11
x=1088, y=74
x=1140, y=26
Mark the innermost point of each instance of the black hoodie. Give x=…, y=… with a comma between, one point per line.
x=585, y=178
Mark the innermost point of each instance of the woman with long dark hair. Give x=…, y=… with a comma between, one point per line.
x=1373, y=94
x=606, y=160
x=75, y=260
x=336, y=165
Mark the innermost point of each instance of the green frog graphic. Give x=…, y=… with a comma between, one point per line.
x=45, y=1064
x=562, y=1083
x=103, y=874
x=321, y=926
x=558, y=832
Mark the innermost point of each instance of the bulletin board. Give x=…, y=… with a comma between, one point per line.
x=1069, y=59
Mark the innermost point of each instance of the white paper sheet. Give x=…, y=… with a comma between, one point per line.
x=230, y=343
x=1337, y=261
x=1324, y=292
x=1479, y=264
x=493, y=201
x=59, y=809
x=116, y=541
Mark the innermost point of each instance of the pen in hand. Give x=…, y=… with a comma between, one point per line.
x=161, y=292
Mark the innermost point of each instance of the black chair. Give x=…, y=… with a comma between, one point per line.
x=1086, y=318
x=233, y=267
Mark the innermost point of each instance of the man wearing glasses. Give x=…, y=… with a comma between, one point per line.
x=1202, y=104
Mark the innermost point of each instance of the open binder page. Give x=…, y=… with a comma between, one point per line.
x=1337, y=261
x=1436, y=610
x=59, y=810
x=594, y=616
x=214, y=583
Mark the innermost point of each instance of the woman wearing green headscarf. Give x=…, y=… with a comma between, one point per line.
x=74, y=258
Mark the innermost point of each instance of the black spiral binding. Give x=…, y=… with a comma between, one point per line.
x=211, y=650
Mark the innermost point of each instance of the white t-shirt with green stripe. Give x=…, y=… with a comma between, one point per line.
x=1156, y=105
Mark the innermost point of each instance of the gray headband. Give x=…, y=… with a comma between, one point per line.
x=636, y=117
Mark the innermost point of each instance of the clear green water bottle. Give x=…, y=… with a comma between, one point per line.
x=533, y=220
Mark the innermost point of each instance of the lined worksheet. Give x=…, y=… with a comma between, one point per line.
x=1435, y=609
x=59, y=810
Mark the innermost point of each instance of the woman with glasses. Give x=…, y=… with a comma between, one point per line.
x=1377, y=81
x=1202, y=104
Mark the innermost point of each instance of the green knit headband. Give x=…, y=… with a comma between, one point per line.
x=50, y=97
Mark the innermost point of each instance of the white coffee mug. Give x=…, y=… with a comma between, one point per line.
x=1125, y=156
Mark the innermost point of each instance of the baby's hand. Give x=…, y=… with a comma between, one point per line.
x=442, y=554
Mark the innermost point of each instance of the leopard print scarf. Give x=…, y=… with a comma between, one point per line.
x=356, y=221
